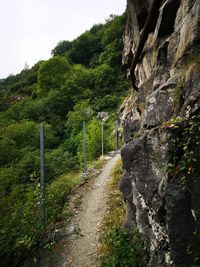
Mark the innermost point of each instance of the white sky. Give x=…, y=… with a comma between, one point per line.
x=30, y=29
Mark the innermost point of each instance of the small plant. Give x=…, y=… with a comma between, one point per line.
x=192, y=58
x=177, y=93
x=98, y=164
x=141, y=106
x=173, y=122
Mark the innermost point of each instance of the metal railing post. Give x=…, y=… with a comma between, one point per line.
x=42, y=175
x=84, y=147
x=102, y=138
x=117, y=135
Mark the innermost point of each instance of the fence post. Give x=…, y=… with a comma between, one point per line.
x=84, y=147
x=102, y=138
x=117, y=135
x=42, y=175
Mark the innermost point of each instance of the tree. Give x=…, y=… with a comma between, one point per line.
x=52, y=74
x=79, y=84
x=113, y=29
x=62, y=48
x=84, y=48
x=81, y=112
x=105, y=79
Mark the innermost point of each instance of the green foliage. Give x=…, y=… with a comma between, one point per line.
x=79, y=85
x=184, y=138
x=56, y=194
x=62, y=48
x=108, y=103
x=59, y=162
x=8, y=148
x=177, y=93
x=94, y=140
x=19, y=221
x=52, y=74
x=20, y=85
x=110, y=56
x=81, y=112
x=84, y=48
x=26, y=134
x=104, y=79
x=113, y=29
x=20, y=211
x=124, y=249
x=23, y=133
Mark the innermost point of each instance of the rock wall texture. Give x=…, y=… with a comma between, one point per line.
x=161, y=155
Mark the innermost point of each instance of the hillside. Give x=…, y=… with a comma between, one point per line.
x=82, y=78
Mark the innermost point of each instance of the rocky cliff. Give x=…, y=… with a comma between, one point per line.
x=161, y=120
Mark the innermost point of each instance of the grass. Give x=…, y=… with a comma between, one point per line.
x=119, y=248
x=56, y=195
x=99, y=163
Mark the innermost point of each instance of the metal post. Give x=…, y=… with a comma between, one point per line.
x=84, y=147
x=102, y=139
x=42, y=169
x=117, y=135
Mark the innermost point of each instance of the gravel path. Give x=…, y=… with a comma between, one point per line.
x=82, y=248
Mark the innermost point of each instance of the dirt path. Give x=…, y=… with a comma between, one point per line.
x=82, y=248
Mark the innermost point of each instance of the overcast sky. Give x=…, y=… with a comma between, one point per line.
x=30, y=29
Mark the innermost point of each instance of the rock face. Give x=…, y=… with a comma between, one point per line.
x=161, y=155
